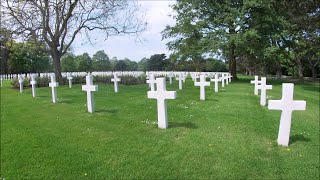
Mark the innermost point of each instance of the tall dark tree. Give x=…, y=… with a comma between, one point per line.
x=156, y=62
x=121, y=65
x=101, y=61
x=6, y=41
x=28, y=57
x=58, y=22
x=85, y=63
x=68, y=63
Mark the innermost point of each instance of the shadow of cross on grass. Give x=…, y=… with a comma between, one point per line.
x=298, y=137
x=184, y=124
x=106, y=110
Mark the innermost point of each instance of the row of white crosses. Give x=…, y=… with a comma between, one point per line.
x=225, y=77
x=262, y=85
x=161, y=94
x=286, y=105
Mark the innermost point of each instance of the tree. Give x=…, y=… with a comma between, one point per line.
x=204, y=27
x=113, y=63
x=68, y=63
x=6, y=41
x=214, y=65
x=85, y=63
x=156, y=62
x=120, y=66
x=58, y=22
x=101, y=61
x=142, y=64
x=28, y=57
x=131, y=65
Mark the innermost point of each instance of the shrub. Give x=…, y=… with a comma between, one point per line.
x=44, y=81
x=15, y=83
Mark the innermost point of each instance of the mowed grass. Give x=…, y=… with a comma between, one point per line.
x=228, y=136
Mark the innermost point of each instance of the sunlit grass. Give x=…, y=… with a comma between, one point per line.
x=228, y=136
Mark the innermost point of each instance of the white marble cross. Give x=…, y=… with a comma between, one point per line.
x=33, y=83
x=170, y=75
x=151, y=81
x=21, y=80
x=180, y=78
x=69, y=77
x=89, y=87
x=202, y=83
x=226, y=77
x=216, y=80
x=286, y=105
x=184, y=76
x=222, y=79
x=256, y=83
x=115, y=79
x=230, y=77
x=53, y=86
x=161, y=95
x=263, y=87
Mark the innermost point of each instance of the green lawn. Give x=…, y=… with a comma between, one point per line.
x=228, y=136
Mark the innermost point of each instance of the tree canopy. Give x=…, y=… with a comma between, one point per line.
x=58, y=22
x=261, y=35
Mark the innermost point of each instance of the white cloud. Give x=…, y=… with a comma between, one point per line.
x=126, y=46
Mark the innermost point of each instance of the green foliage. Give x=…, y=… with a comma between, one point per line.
x=260, y=36
x=28, y=57
x=157, y=62
x=85, y=62
x=68, y=63
x=121, y=65
x=15, y=83
x=214, y=65
x=44, y=81
x=129, y=80
x=101, y=61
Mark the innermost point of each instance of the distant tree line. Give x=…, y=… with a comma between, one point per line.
x=32, y=57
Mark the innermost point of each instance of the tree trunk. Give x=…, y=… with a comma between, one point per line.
x=279, y=73
x=57, y=67
x=300, y=69
x=232, y=62
x=313, y=70
x=264, y=70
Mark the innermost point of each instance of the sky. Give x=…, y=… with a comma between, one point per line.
x=156, y=15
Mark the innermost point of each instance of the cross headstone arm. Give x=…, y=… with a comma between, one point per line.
x=275, y=104
x=300, y=105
